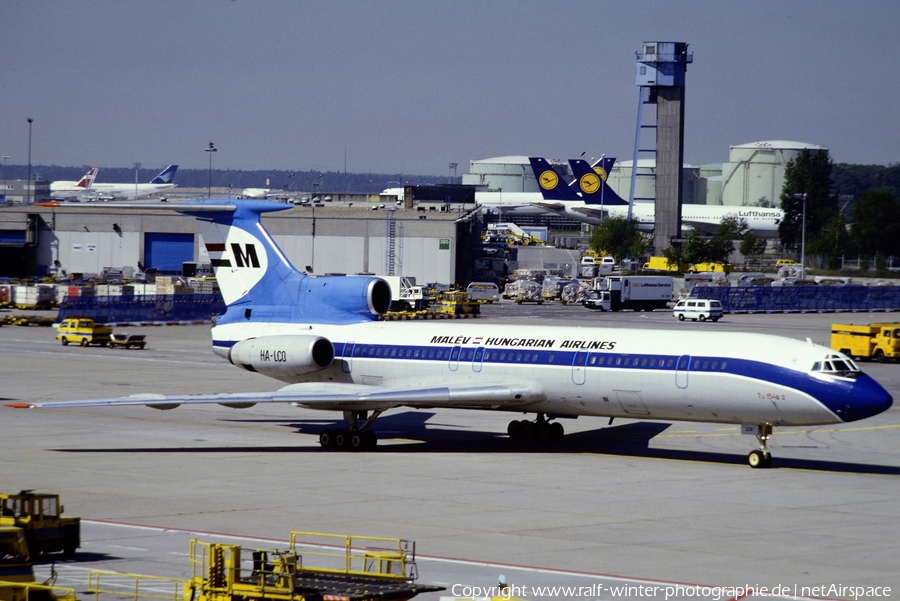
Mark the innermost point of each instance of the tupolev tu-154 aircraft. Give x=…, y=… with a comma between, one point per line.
x=323, y=338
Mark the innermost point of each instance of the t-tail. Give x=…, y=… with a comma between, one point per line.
x=591, y=182
x=551, y=182
x=258, y=282
x=88, y=179
x=165, y=176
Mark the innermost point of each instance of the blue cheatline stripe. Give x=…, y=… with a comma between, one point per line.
x=833, y=393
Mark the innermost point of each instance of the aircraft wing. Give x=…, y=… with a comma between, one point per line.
x=549, y=205
x=703, y=226
x=592, y=211
x=340, y=397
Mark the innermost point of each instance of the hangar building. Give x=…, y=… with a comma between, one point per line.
x=430, y=245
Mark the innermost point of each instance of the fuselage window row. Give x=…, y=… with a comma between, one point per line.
x=538, y=357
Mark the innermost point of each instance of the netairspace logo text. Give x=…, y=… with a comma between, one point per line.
x=675, y=591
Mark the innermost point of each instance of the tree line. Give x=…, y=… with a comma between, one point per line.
x=288, y=181
x=848, y=210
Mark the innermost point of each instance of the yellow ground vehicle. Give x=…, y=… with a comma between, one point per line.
x=879, y=341
x=40, y=518
x=83, y=331
x=338, y=567
x=783, y=262
x=663, y=264
x=456, y=302
x=17, y=581
x=711, y=267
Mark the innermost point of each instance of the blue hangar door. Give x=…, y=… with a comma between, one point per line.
x=166, y=252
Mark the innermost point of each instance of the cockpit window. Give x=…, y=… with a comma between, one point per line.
x=840, y=366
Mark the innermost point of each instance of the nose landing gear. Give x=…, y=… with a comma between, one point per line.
x=761, y=457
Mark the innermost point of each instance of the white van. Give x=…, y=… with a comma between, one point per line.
x=698, y=308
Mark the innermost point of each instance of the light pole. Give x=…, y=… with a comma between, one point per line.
x=30, y=121
x=5, y=183
x=210, y=150
x=312, y=260
x=137, y=167
x=802, y=232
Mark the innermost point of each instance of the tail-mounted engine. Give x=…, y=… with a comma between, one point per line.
x=282, y=357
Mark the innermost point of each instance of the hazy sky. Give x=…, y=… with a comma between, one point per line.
x=411, y=86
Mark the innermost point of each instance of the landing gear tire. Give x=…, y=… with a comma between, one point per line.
x=761, y=457
x=346, y=439
x=537, y=431
x=758, y=459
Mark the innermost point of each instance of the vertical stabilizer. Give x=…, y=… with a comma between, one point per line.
x=259, y=283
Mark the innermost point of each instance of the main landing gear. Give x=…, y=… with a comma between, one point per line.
x=353, y=438
x=540, y=430
x=761, y=457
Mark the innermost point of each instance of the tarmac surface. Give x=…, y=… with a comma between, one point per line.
x=636, y=502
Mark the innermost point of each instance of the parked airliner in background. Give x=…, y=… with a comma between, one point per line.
x=70, y=189
x=123, y=191
x=590, y=200
x=323, y=337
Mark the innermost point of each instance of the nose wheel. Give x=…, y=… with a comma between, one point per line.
x=761, y=457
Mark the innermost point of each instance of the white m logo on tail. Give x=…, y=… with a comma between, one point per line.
x=238, y=258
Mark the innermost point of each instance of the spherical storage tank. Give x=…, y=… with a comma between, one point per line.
x=755, y=172
x=502, y=174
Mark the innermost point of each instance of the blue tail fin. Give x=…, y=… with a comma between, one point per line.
x=166, y=175
x=549, y=181
x=591, y=181
x=259, y=283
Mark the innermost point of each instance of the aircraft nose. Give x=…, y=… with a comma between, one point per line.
x=869, y=398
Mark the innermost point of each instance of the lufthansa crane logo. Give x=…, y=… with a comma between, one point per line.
x=589, y=183
x=601, y=172
x=548, y=179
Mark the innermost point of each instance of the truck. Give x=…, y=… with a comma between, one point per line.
x=878, y=341
x=40, y=516
x=638, y=293
x=83, y=331
x=405, y=294
x=663, y=264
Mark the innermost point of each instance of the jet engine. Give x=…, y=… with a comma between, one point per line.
x=283, y=357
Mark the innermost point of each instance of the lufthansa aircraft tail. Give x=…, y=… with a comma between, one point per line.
x=166, y=175
x=550, y=181
x=260, y=285
x=591, y=182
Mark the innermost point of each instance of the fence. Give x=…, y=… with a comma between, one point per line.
x=152, y=309
x=802, y=299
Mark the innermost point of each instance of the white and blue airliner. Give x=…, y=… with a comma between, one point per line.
x=322, y=337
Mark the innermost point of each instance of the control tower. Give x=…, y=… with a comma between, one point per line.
x=661, y=67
